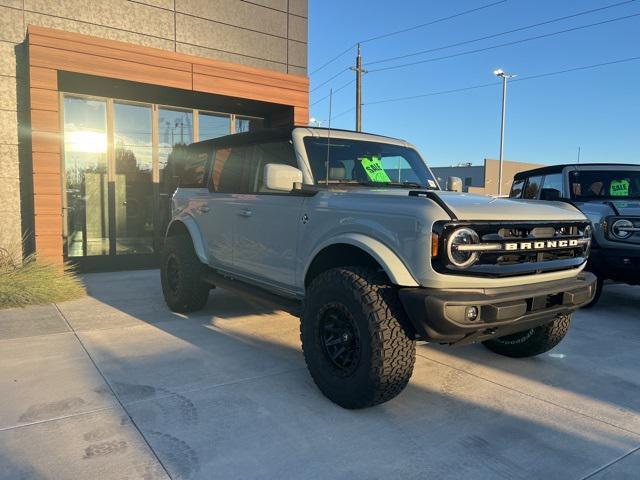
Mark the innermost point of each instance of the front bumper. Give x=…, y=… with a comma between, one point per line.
x=439, y=315
x=620, y=265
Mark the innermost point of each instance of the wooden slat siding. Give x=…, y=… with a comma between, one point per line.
x=43, y=78
x=48, y=204
x=108, y=52
x=45, y=142
x=45, y=163
x=42, y=99
x=45, y=121
x=49, y=248
x=48, y=224
x=51, y=50
x=301, y=116
x=221, y=86
x=47, y=183
x=107, y=67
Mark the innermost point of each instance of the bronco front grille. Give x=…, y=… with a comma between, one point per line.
x=517, y=248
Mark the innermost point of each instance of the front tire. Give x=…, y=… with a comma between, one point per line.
x=181, y=276
x=356, y=340
x=533, y=341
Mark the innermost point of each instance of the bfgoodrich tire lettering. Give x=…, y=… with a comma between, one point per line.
x=181, y=276
x=356, y=301
x=531, y=342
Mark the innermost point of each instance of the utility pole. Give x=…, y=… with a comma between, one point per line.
x=359, y=71
x=505, y=76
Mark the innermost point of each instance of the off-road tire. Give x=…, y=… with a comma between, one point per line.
x=186, y=292
x=596, y=298
x=531, y=342
x=386, y=352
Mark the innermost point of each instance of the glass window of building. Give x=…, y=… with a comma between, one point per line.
x=213, y=125
x=248, y=124
x=85, y=153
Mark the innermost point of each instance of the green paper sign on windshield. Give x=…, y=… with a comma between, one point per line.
x=375, y=172
x=619, y=188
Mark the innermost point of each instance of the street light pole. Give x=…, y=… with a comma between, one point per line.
x=505, y=76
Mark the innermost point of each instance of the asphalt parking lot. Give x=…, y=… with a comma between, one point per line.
x=115, y=386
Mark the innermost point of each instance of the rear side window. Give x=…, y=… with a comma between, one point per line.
x=532, y=189
x=226, y=173
x=186, y=167
x=516, y=188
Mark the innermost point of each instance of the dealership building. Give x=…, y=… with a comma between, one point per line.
x=95, y=97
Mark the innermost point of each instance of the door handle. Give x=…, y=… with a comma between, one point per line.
x=203, y=209
x=245, y=212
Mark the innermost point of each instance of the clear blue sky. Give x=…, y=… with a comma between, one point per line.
x=547, y=118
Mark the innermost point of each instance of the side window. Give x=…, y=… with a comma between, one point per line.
x=226, y=174
x=281, y=152
x=533, y=187
x=552, y=187
x=516, y=188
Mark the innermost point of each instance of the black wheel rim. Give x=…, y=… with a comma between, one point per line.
x=173, y=274
x=340, y=339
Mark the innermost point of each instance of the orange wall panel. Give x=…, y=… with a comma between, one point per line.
x=48, y=204
x=47, y=184
x=42, y=99
x=44, y=162
x=45, y=142
x=43, y=77
x=48, y=224
x=45, y=121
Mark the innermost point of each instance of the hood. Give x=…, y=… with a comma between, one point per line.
x=467, y=206
x=611, y=207
x=480, y=207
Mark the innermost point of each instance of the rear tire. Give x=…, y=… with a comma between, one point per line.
x=355, y=337
x=531, y=342
x=181, y=276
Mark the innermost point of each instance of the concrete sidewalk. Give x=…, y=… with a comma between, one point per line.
x=115, y=386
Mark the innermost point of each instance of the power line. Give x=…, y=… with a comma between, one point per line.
x=515, y=42
x=342, y=87
x=519, y=79
x=346, y=69
x=408, y=29
x=507, y=32
x=432, y=22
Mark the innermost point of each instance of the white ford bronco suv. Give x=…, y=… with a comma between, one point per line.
x=353, y=228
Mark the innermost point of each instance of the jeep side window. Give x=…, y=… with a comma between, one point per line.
x=226, y=173
x=516, y=188
x=552, y=187
x=281, y=152
x=533, y=188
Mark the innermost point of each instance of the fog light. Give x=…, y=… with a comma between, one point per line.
x=471, y=313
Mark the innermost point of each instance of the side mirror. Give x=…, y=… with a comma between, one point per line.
x=280, y=177
x=454, y=184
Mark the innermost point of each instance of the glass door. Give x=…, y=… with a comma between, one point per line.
x=86, y=177
x=133, y=178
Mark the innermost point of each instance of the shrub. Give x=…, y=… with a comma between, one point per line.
x=33, y=282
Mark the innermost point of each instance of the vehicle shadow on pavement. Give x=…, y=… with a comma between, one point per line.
x=224, y=393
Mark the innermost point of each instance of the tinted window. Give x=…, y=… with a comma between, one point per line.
x=533, y=187
x=275, y=152
x=553, y=182
x=586, y=184
x=516, y=188
x=226, y=174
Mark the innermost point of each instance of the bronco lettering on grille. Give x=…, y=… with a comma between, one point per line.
x=541, y=245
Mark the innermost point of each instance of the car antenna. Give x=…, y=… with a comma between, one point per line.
x=328, y=139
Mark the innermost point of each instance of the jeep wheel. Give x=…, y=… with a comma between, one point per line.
x=181, y=276
x=355, y=337
x=599, y=285
x=531, y=342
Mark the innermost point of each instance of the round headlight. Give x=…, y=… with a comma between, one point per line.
x=619, y=226
x=460, y=237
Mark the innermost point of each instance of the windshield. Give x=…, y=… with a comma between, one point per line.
x=366, y=163
x=604, y=184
